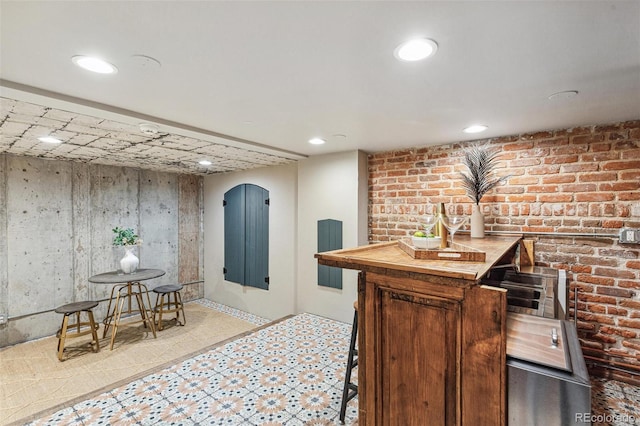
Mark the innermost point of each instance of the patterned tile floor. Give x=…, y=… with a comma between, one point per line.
x=288, y=373
x=246, y=316
x=614, y=403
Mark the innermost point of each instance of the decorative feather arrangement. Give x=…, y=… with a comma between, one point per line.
x=481, y=162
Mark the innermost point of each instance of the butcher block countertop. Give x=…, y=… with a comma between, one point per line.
x=390, y=256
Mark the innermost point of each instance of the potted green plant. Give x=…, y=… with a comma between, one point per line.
x=481, y=162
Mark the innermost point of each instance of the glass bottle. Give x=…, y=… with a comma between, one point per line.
x=442, y=230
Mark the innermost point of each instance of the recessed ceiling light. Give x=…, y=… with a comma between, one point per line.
x=204, y=162
x=94, y=64
x=416, y=49
x=49, y=139
x=316, y=141
x=563, y=95
x=476, y=128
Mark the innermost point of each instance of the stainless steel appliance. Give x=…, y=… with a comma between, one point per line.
x=548, y=382
x=532, y=290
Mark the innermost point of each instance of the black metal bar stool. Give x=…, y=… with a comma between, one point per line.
x=77, y=308
x=350, y=389
x=166, y=308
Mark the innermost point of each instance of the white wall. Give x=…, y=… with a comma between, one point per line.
x=279, y=300
x=330, y=187
x=321, y=187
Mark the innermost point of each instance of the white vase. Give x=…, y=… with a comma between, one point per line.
x=129, y=263
x=477, y=222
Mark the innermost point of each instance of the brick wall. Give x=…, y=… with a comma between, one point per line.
x=584, y=179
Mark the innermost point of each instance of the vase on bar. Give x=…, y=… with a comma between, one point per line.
x=477, y=222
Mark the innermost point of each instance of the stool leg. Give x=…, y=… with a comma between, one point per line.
x=346, y=396
x=94, y=331
x=160, y=312
x=175, y=306
x=63, y=336
x=184, y=317
x=155, y=311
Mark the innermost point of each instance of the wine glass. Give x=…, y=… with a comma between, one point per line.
x=428, y=222
x=453, y=223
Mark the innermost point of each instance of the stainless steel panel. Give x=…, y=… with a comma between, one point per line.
x=543, y=396
x=539, y=395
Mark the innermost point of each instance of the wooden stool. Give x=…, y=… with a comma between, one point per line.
x=162, y=307
x=77, y=308
x=350, y=390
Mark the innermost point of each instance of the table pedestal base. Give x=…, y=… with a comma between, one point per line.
x=113, y=315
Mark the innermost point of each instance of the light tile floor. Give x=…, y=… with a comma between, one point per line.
x=289, y=373
x=33, y=382
x=246, y=316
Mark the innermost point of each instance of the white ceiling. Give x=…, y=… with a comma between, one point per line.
x=267, y=76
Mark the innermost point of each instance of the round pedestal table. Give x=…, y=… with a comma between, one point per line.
x=129, y=287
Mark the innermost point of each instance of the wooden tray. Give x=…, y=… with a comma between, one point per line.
x=457, y=252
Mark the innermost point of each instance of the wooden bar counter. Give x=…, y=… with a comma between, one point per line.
x=432, y=341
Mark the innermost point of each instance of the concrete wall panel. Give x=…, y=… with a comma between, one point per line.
x=190, y=244
x=56, y=221
x=4, y=273
x=113, y=202
x=159, y=225
x=81, y=233
x=39, y=238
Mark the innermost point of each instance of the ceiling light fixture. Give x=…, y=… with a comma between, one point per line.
x=91, y=63
x=317, y=141
x=49, y=139
x=476, y=128
x=205, y=162
x=416, y=49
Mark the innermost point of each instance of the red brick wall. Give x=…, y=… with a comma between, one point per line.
x=584, y=179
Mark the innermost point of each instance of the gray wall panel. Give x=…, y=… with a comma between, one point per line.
x=329, y=238
x=113, y=202
x=80, y=202
x=189, y=231
x=39, y=237
x=56, y=221
x=4, y=272
x=159, y=225
x=234, y=234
